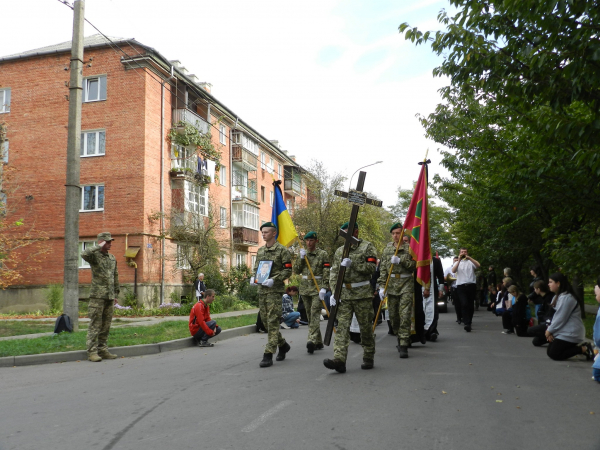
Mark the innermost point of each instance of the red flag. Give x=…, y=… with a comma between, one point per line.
x=417, y=222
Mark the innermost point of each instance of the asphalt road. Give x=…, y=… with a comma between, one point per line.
x=479, y=390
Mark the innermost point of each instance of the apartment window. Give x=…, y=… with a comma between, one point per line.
x=84, y=245
x=223, y=176
x=262, y=161
x=2, y=203
x=4, y=100
x=240, y=258
x=262, y=194
x=288, y=204
x=279, y=167
x=271, y=198
x=92, y=198
x=182, y=260
x=93, y=143
x=222, y=134
x=195, y=198
x=94, y=89
x=244, y=215
x=223, y=217
x=253, y=261
x=223, y=262
x=4, y=153
x=270, y=166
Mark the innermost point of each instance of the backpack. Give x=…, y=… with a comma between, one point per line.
x=63, y=323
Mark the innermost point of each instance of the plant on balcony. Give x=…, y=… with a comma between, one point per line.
x=192, y=137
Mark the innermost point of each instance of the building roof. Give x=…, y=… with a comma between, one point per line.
x=96, y=40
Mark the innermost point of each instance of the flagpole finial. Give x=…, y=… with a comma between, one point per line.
x=426, y=153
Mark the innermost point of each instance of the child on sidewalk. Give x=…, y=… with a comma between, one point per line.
x=202, y=327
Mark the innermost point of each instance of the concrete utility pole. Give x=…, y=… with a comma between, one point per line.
x=73, y=195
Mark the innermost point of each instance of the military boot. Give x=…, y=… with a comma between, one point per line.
x=107, y=355
x=403, y=351
x=319, y=347
x=282, y=351
x=310, y=347
x=335, y=364
x=367, y=364
x=267, y=360
x=93, y=357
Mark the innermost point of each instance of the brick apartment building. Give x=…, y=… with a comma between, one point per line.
x=131, y=175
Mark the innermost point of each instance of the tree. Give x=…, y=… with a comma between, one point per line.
x=325, y=212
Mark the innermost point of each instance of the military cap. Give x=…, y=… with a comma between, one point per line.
x=311, y=235
x=267, y=224
x=347, y=224
x=105, y=236
x=396, y=225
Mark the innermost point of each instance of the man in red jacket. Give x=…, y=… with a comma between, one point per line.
x=202, y=327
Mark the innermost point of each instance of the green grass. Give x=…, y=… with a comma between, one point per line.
x=119, y=337
x=589, y=325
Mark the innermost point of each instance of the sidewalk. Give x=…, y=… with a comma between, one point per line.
x=133, y=321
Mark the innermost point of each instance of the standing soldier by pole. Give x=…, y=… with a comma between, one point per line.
x=356, y=298
x=314, y=284
x=103, y=297
x=270, y=291
x=400, y=288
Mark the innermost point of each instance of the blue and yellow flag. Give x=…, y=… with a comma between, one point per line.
x=286, y=232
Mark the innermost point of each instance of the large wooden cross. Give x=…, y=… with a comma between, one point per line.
x=358, y=198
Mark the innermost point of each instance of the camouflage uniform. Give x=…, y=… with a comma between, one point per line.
x=400, y=289
x=357, y=300
x=269, y=299
x=319, y=263
x=105, y=289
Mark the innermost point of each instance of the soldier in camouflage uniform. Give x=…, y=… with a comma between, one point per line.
x=311, y=295
x=356, y=298
x=400, y=289
x=271, y=291
x=103, y=297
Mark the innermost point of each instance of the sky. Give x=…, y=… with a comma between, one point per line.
x=331, y=80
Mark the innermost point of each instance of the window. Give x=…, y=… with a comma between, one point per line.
x=240, y=258
x=262, y=161
x=94, y=89
x=262, y=194
x=223, y=262
x=271, y=198
x=182, y=260
x=223, y=217
x=84, y=245
x=2, y=203
x=279, y=167
x=288, y=204
x=222, y=134
x=92, y=143
x=4, y=153
x=4, y=100
x=195, y=198
x=92, y=198
x=253, y=262
x=244, y=215
x=223, y=176
x=270, y=166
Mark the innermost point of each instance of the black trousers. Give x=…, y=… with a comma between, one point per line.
x=467, y=293
x=456, y=303
x=538, y=333
x=559, y=350
x=202, y=336
x=507, y=321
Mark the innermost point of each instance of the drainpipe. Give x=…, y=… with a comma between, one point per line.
x=162, y=192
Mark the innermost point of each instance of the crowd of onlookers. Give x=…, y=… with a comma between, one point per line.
x=546, y=311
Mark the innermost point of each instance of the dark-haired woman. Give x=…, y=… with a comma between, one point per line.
x=566, y=330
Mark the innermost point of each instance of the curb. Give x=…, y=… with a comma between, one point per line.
x=130, y=351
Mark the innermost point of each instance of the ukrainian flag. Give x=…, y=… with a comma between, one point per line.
x=286, y=232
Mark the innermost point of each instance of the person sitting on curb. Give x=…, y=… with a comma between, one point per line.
x=202, y=327
x=291, y=318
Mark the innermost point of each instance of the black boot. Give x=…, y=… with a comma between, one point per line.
x=367, y=364
x=403, y=351
x=390, y=329
x=319, y=347
x=267, y=360
x=335, y=364
x=282, y=351
x=310, y=347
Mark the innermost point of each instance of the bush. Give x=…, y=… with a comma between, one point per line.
x=213, y=279
x=129, y=298
x=54, y=297
x=248, y=294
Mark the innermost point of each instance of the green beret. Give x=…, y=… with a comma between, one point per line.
x=310, y=235
x=267, y=224
x=347, y=224
x=396, y=225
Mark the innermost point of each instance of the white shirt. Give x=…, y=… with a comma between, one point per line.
x=465, y=273
x=447, y=272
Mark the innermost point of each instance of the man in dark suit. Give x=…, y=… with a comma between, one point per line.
x=437, y=281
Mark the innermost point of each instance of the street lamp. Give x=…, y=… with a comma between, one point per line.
x=368, y=165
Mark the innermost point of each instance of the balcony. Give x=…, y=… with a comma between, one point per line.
x=292, y=187
x=243, y=188
x=187, y=116
x=245, y=236
x=248, y=159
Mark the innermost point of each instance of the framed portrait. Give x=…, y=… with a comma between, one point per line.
x=264, y=271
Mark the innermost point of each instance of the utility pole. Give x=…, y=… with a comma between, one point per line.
x=73, y=191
